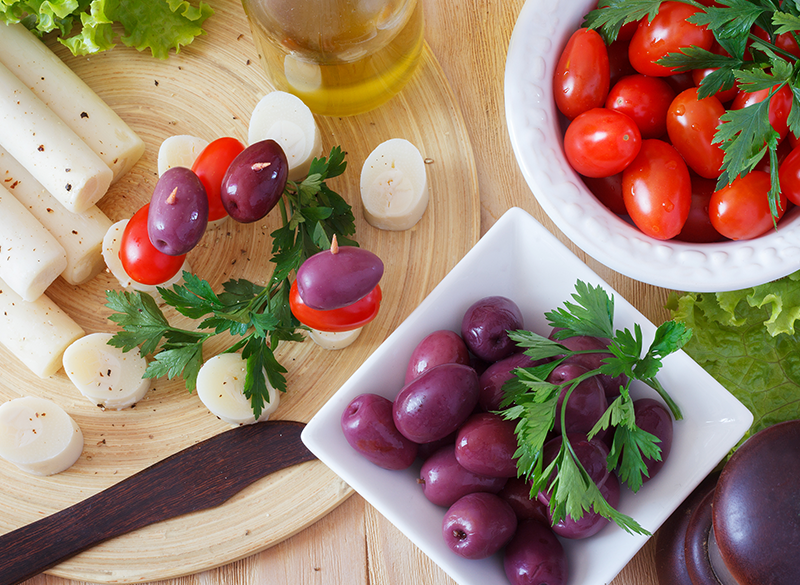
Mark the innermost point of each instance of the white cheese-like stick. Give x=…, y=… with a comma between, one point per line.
x=179, y=151
x=106, y=375
x=334, y=339
x=36, y=332
x=38, y=436
x=68, y=96
x=220, y=386
x=80, y=234
x=48, y=148
x=30, y=257
x=394, y=186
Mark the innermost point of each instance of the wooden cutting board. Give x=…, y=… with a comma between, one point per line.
x=208, y=90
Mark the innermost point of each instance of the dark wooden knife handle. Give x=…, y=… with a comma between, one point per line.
x=199, y=477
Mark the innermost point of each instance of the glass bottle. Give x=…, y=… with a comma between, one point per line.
x=341, y=57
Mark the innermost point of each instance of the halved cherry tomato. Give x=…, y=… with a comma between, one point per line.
x=143, y=262
x=692, y=124
x=210, y=166
x=601, y=142
x=343, y=319
x=645, y=99
x=741, y=211
x=780, y=104
x=667, y=33
x=581, y=78
x=657, y=189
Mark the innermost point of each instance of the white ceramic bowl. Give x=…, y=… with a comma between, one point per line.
x=520, y=259
x=541, y=31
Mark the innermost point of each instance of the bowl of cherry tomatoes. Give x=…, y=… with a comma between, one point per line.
x=634, y=163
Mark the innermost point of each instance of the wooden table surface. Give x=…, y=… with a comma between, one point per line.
x=355, y=545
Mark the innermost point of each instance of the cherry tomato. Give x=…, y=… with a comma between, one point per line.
x=143, y=262
x=608, y=191
x=789, y=176
x=601, y=142
x=581, y=78
x=691, y=124
x=210, y=166
x=780, y=104
x=741, y=211
x=343, y=319
x=723, y=95
x=657, y=190
x=783, y=41
x=618, y=63
x=667, y=33
x=698, y=227
x=645, y=99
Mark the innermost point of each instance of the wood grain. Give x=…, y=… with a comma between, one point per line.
x=353, y=544
x=209, y=90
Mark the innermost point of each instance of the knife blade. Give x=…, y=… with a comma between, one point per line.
x=199, y=477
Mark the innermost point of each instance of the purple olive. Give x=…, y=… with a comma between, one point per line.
x=254, y=181
x=591, y=522
x=435, y=404
x=338, y=277
x=586, y=404
x=592, y=455
x=486, y=444
x=485, y=327
x=368, y=426
x=497, y=374
x=478, y=525
x=517, y=492
x=535, y=556
x=444, y=480
x=654, y=418
x=592, y=361
x=178, y=213
x=440, y=347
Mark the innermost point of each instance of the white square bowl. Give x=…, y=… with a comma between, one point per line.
x=520, y=259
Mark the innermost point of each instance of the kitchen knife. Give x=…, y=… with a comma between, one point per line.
x=201, y=476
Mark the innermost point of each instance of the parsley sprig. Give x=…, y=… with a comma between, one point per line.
x=258, y=316
x=752, y=63
x=532, y=402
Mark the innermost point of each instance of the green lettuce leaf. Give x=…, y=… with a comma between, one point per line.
x=157, y=25
x=746, y=340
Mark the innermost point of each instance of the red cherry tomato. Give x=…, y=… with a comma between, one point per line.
x=698, y=227
x=645, y=99
x=783, y=41
x=343, y=319
x=608, y=191
x=618, y=63
x=657, y=189
x=601, y=142
x=724, y=96
x=581, y=78
x=691, y=124
x=741, y=211
x=210, y=166
x=143, y=262
x=780, y=104
x=789, y=176
x=667, y=33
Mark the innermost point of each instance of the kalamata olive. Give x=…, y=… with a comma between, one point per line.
x=497, y=374
x=591, y=522
x=254, y=181
x=178, y=214
x=368, y=426
x=486, y=444
x=338, y=277
x=592, y=455
x=586, y=404
x=534, y=556
x=592, y=361
x=478, y=525
x=436, y=403
x=485, y=325
x=517, y=492
x=444, y=480
x=440, y=347
x=654, y=418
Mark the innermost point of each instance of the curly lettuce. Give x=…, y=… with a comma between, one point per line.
x=155, y=25
x=747, y=340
